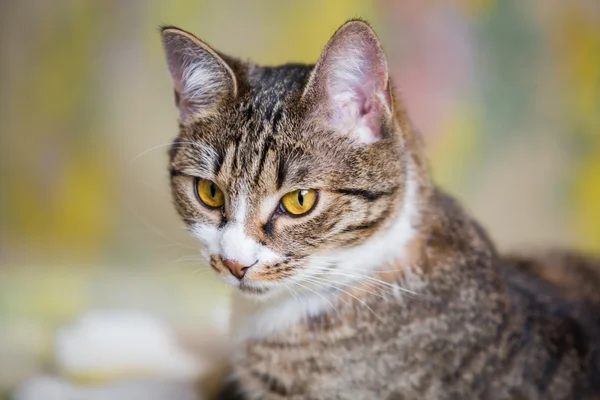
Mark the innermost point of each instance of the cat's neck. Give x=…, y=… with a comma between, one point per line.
x=377, y=259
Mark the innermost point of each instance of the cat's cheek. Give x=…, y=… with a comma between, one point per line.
x=209, y=237
x=288, y=237
x=267, y=256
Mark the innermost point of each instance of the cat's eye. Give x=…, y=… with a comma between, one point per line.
x=299, y=202
x=209, y=193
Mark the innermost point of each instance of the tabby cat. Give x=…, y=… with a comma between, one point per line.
x=355, y=276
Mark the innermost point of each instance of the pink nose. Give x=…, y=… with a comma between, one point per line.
x=238, y=270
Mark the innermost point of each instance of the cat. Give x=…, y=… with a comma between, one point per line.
x=355, y=276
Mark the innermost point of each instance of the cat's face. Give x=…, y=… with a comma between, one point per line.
x=286, y=174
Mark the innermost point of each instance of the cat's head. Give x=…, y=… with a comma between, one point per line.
x=289, y=175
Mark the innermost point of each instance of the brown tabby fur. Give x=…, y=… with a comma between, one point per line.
x=482, y=326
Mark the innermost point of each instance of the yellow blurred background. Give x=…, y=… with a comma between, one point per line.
x=507, y=95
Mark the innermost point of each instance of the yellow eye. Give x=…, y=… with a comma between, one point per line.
x=209, y=193
x=299, y=202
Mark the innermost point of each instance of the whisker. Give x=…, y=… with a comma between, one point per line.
x=348, y=285
x=292, y=291
x=158, y=232
x=359, y=300
x=190, y=258
x=187, y=265
x=159, y=146
x=368, y=270
x=184, y=259
x=320, y=295
x=351, y=274
x=320, y=284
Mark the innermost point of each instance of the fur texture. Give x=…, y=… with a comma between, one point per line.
x=386, y=288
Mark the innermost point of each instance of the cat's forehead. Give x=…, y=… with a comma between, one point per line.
x=271, y=93
x=262, y=141
x=273, y=85
x=265, y=113
x=265, y=108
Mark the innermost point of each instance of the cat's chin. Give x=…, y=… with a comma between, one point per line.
x=259, y=291
x=253, y=290
x=256, y=290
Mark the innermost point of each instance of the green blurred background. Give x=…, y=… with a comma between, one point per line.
x=506, y=93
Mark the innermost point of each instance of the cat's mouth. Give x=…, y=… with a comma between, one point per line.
x=252, y=283
x=258, y=279
x=249, y=288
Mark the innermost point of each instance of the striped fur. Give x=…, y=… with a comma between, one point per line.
x=387, y=289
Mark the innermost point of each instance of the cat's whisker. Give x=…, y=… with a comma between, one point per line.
x=161, y=146
x=292, y=291
x=320, y=295
x=343, y=272
x=158, y=232
x=201, y=271
x=165, y=245
x=353, y=296
x=190, y=258
x=393, y=286
x=326, y=284
x=186, y=267
x=351, y=274
x=329, y=262
x=348, y=285
x=183, y=260
x=395, y=290
x=354, y=283
x=367, y=270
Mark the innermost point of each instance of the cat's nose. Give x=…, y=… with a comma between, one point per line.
x=238, y=270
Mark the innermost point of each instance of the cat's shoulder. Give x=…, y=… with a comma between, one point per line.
x=556, y=295
x=563, y=275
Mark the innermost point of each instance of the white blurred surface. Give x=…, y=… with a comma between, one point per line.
x=128, y=343
x=117, y=355
x=53, y=388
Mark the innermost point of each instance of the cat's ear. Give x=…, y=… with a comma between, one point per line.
x=351, y=81
x=202, y=79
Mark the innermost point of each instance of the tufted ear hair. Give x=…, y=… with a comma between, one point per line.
x=201, y=78
x=351, y=81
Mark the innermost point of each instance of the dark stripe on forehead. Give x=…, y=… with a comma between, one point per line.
x=290, y=175
x=234, y=161
x=267, y=145
x=295, y=79
x=366, y=194
x=218, y=162
x=273, y=85
x=281, y=171
x=276, y=118
x=248, y=113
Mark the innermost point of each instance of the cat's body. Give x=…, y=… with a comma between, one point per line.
x=370, y=283
x=480, y=328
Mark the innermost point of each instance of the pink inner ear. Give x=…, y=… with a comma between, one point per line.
x=354, y=73
x=358, y=104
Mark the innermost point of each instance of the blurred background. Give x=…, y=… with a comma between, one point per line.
x=507, y=95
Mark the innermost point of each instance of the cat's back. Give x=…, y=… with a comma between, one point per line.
x=575, y=277
x=556, y=296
